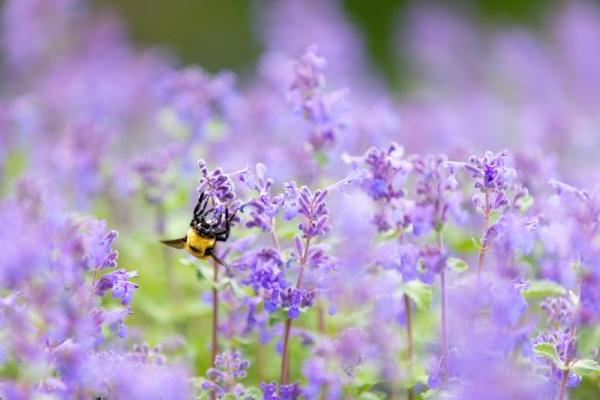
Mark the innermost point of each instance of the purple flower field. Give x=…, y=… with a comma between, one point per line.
x=347, y=240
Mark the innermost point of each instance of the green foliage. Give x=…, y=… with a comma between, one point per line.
x=458, y=264
x=548, y=350
x=543, y=288
x=420, y=293
x=586, y=367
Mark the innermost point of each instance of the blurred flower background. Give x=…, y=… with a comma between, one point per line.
x=412, y=186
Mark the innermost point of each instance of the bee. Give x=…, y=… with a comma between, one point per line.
x=205, y=231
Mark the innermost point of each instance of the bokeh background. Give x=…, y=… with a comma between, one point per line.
x=228, y=34
x=85, y=111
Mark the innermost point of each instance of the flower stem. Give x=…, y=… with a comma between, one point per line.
x=486, y=226
x=284, y=375
x=409, y=340
x=444, y=295
x=563, y=385
x=215, y=321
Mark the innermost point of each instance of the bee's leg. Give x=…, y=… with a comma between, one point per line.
x=211, y=253
x=200, y=209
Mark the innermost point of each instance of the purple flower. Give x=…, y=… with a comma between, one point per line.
x=493, y=179
x=97, y=242
x=413, y=262
x=315, y=212
x=216, y=184
x=271, y=391
x=265, y=206
x=565, y=344
x=151, y=169
x=308, y=97
x=436, y=195
x=118, y=282
x=195, y=96
x=560, y=310
x=382, y=172
x=230, y=368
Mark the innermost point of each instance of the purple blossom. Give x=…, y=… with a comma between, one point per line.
x=308, y=97
x=315, y=212
x=271, y=391
x=265, y=206
x=560, y=310
x=118, y=282
x=565, y=344
x=413, y=262
x=97, y=242
x=195, y=96
x=492, y=179
x=382, y=172
x=436, y=195
x=216, y=184
x=230, y=368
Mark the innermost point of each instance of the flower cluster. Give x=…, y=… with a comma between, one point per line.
x=195, y=96
x=308, y=97
x=271, y=391
x=395, y=287
x=436, y=193
x=230, y=368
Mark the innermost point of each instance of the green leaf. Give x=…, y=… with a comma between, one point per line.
x=548, y=350
x=585, y=367
x=458, y=264
x=237, y=290
x=545, y=288
x=420, y=293
x=387, y=236
x=476, y=243
x=278, y=316
x=370, y=396
x=525, y=202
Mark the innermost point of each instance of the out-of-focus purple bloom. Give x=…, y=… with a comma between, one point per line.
x=271, y=391
x=436, y=195
x=308, y=97
x=508, y=304
x=566, y=348
x=195, y=96
x=413, y=262
x=48, y=22
x=151, y=169
x=98, y=242
x=560, y=310
x=589, y=311
x=382, y=172
x=230, y=368
x=118, y=282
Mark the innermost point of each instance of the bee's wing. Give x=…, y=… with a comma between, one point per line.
x=177, y=243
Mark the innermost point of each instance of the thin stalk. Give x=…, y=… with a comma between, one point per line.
x=409, y=340
x=284, y=375
x=440, y=243
x=486, y=226
x=321, y=325
x=563, y=385
x=215, y=321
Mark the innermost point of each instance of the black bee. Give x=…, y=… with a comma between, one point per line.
x=204, y=232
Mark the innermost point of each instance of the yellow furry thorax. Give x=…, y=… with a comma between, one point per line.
x=196, y=244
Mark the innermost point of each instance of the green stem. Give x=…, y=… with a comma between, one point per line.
x=284, y=374
x=409, y=340
x=215, y=321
